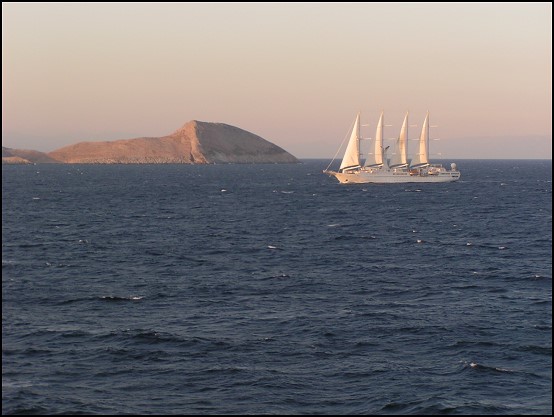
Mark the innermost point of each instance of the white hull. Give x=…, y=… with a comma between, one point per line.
x=383, y=176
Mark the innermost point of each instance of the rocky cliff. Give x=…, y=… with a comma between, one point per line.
x=194, y=143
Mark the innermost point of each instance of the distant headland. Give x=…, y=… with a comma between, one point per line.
x=194, y=143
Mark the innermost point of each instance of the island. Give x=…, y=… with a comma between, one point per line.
x=194, y=143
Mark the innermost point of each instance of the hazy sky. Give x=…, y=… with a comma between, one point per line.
x=295, y=74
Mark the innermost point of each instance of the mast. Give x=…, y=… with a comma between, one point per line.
x=351, y=159
x=376, y=158
x=400, y=158
x=422, y=158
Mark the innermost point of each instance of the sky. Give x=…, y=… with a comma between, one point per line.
x=295, y=74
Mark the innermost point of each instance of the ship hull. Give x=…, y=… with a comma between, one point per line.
x=390, y=177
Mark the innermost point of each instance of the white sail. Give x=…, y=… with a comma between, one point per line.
x=400, y=157
x=376, y=157
x=351, y=159
x=422, y=157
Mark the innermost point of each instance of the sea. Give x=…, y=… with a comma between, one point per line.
x=273, y=289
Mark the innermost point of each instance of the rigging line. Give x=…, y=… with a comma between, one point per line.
x=342, y=143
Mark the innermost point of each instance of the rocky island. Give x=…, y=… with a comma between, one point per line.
x=194, y=143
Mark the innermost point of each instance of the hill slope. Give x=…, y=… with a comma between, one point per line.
x=25, y=156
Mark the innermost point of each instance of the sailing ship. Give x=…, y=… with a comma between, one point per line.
x=378, y=168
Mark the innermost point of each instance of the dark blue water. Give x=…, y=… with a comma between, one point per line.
x=272, y=289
